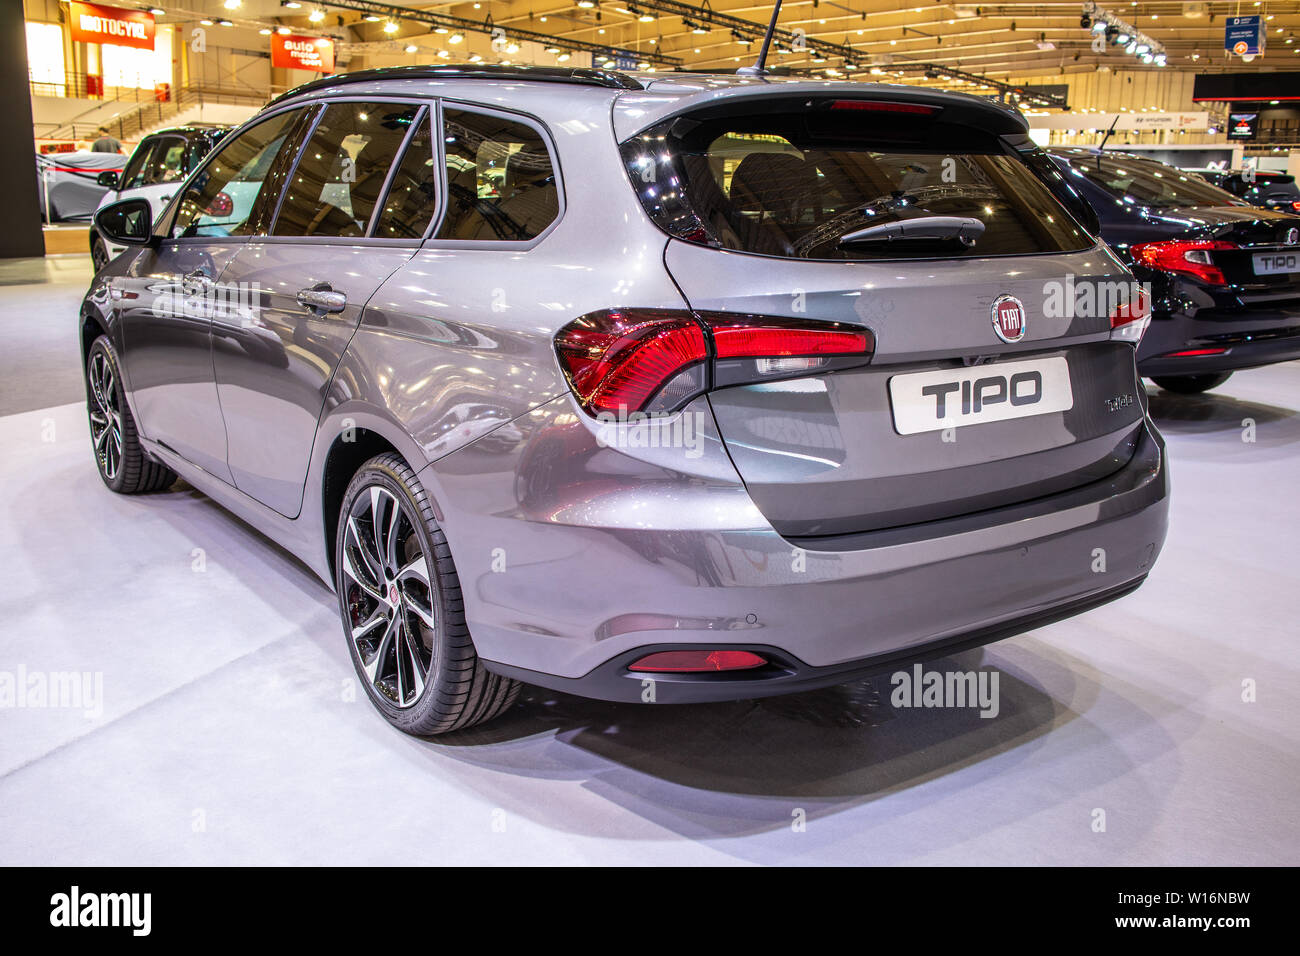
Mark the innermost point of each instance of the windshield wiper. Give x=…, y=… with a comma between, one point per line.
x=965, y=230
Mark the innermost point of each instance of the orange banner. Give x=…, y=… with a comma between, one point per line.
x=116, y=26
x=302, y=53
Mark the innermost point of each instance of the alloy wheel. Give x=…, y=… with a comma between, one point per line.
x=388, y=595
x=105, y=415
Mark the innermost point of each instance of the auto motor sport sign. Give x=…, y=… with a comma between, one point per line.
x=115, y=26
x=302, y=53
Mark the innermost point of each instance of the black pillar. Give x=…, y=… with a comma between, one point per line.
x=21, y=235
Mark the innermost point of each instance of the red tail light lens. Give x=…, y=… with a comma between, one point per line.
x=657, y=360
x=1130, y=321
x=623, y=358
x=704, y=661
x=1187, y=256
x=1296, y=206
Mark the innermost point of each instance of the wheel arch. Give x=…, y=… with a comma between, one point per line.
x=351, y=436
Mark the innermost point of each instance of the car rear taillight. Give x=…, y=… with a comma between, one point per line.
x=657, y=360
x=1129, y=322
x=1186, y=256
x=695, y=662
x=1296, y=205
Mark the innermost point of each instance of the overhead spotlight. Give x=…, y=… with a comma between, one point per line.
x=283, y=31
x=316, y=16
x=1100, y=26
x=372, y=18
x=265, y=31
x=1132, y=47
x=552, y=49
x=232, y=4
x=1160, y=59
x=586, y=4
x=456, y=38
x=563, y=57
x=512, y=47
x=412, y=48
x=390, y=26
x=1123, y=38
x=440, y=30
x=291, y=4
x=1143, y=49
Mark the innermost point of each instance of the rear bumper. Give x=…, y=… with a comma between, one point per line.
x=786, y=674
x=1220, y=342
x=572, y=600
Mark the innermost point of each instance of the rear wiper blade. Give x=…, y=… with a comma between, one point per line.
x=961, y=228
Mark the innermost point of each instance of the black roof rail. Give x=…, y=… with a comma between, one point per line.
x=611, y=79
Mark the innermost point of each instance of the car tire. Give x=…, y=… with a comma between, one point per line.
x=98, y=252
x=122, y=462
x=1191, y=384
x=403, y=615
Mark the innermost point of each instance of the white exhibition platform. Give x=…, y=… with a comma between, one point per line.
x=230, y=730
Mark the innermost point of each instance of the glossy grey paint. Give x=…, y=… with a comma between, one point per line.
x=608, y=544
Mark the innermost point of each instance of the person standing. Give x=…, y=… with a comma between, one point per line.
x=105, y=143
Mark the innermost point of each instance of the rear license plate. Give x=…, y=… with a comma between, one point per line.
x=930, y=401
x=1273, y=263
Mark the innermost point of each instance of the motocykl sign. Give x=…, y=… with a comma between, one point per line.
x=302, y=53
x=116, y=26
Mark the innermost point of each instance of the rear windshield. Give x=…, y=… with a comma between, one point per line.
x=1145, y=182
x=810, y=184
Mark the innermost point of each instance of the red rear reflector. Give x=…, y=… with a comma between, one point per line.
x=681, y=662
x=884, y=106
x=1190, y=352
x=1296, y=206
x=1187, y=256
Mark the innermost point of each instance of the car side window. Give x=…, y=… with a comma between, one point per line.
x=167, y=163
x=134, y=173
x=500, y=179
x=342, y=169
x=413, y=196
x=222, y=195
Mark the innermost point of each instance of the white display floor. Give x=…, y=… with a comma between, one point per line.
x=227, y=734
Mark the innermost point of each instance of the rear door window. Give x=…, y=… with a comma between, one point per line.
x=343, y=168
x=500, y=178
x=810, y=184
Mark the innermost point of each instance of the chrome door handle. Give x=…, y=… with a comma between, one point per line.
x=322, y=300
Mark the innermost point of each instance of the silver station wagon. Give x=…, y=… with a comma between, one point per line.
x=640, y=387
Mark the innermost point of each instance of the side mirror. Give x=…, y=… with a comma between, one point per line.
x=127, y=223
x=107, y=178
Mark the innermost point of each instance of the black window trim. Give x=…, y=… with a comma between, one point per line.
x=430, y=240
